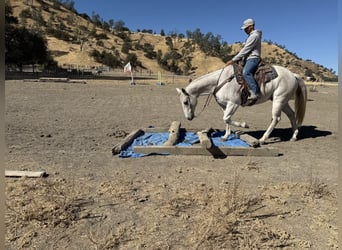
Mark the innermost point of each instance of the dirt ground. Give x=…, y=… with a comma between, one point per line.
x=94, y=200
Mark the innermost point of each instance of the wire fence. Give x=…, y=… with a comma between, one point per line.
x=101, y=75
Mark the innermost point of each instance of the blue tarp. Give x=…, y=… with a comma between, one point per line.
x=186, y=139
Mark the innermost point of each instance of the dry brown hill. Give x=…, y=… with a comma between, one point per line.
x=77, y=37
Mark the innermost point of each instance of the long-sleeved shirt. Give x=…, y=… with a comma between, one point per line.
x=252, y=48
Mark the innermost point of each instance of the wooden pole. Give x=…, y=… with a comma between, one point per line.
x=250, y=140
x=204, y=139
x=125, y=142
x=174, y=134
x=15, y=173
x=214, y=151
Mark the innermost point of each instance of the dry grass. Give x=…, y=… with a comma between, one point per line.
x=202, y=217
x=41, y=203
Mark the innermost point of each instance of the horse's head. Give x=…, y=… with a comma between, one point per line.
x=188, y=102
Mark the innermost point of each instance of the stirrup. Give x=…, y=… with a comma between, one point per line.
x=251, y=102
x=252, y=96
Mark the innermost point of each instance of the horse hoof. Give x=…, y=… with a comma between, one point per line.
x=244, y=125
x=224, y=138
x=293, y=139
x=261, y=142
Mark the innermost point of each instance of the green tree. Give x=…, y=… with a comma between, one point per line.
x=126, y=46
x=22, y=46
x=9, y=18
x=149, y=51
x=132, y=57
x=111, y=23
x=106, y=58
x=96, y=19
x=120, y=26
x=169, y=42
x=309, y=72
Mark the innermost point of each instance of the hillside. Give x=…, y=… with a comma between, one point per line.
x=73, y=37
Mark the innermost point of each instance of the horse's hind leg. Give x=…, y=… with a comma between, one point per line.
x=276, y=112
x=291, y=115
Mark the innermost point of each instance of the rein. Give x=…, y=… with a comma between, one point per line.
x=214, y=91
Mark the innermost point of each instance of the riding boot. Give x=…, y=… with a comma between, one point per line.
x=252, y=96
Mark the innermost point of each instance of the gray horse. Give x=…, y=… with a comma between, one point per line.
x=228, y=95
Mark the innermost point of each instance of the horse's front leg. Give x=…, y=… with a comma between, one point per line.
x=227, y=115
x=227, y=133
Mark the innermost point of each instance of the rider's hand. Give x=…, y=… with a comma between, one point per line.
x=229, y=63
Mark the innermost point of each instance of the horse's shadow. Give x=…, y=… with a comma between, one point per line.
x=285, y=134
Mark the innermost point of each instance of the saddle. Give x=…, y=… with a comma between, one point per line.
x=264, y=74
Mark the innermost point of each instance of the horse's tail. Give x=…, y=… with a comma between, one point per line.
x=300, y=101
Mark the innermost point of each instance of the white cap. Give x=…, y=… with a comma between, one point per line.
x=246, y=23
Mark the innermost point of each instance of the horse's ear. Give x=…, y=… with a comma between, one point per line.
x=182, y=90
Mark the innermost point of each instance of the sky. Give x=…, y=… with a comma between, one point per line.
x=308, y=28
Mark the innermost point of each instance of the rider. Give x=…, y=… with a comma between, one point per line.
x=251, y=52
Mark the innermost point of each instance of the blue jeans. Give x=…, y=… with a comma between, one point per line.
x=248, y=73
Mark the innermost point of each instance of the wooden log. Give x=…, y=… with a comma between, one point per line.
x=250, y=140
x=78, y=81
x=31, y=80
x=163, y=129
x=15, y=173
x=53, y=79
x=205, y=141
x=213, y=151
x=174, y=133
x=126, y=141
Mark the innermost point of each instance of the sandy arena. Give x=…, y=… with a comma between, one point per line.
x=94, y=200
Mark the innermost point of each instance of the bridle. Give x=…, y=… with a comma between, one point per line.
x=216, y=88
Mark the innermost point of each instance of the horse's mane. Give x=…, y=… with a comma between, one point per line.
x=206, y=75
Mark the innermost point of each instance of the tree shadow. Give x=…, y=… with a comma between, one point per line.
x=285, y=134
